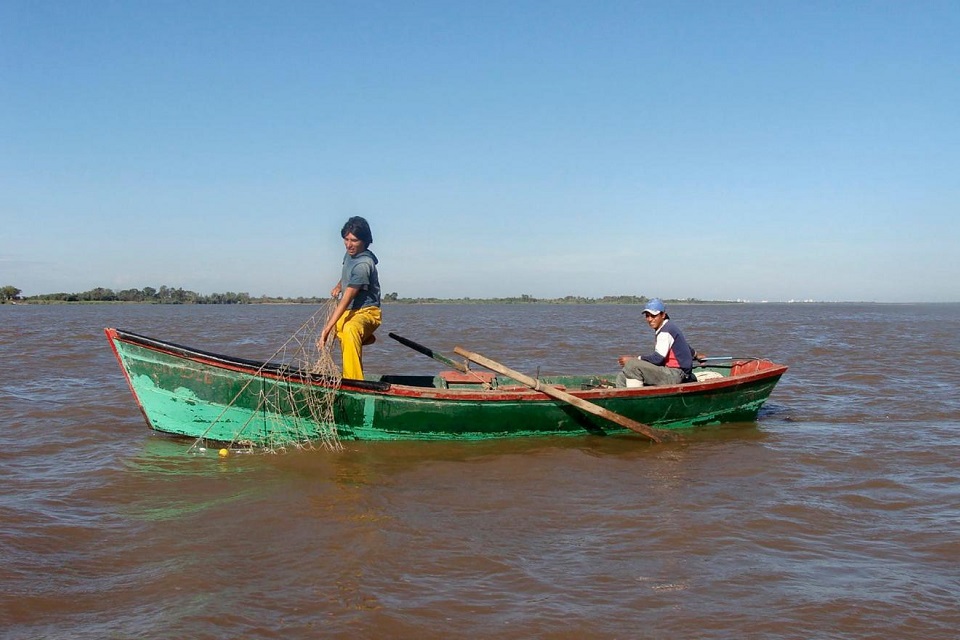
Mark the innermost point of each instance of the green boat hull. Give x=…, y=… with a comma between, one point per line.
x=197, y=394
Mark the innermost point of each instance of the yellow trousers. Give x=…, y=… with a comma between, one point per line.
x=355, y=329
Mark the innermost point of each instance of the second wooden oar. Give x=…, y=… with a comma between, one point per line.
x=654, y=434
x=427, y=351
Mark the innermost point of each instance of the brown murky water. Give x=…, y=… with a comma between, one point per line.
x=836, y=515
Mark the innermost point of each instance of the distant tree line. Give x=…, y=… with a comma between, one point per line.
x=163, y=295
x=527, y=299
x=169, y=295
x=9, y=293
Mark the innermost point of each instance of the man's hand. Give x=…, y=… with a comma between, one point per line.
x=322, y=340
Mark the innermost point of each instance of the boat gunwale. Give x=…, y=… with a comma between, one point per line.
x=282, y=372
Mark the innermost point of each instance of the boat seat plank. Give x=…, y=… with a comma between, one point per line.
x=520, y=387
x=458, y=378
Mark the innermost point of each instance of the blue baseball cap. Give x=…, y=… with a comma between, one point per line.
x=655, y=307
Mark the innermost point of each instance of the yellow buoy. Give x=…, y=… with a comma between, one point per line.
x=224, y=453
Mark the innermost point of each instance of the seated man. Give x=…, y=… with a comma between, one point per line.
x=672, y=359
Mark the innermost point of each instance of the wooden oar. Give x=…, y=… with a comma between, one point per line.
x=459, y=366
x=654, y=434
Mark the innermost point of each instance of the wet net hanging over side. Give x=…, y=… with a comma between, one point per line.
x=293, y=394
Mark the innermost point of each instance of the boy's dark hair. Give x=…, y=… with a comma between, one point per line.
x=358, y=227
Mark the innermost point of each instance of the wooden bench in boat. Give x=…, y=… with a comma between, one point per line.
x=471, y=380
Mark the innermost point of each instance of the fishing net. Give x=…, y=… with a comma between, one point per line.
x=296, y=390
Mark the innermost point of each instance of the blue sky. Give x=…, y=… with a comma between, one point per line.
x=715, y=150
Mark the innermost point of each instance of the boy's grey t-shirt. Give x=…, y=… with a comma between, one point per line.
x=361, y=271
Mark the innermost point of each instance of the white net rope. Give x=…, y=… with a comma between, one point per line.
x=297, y=388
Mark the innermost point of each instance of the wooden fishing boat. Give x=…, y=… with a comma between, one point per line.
x=217, y=398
